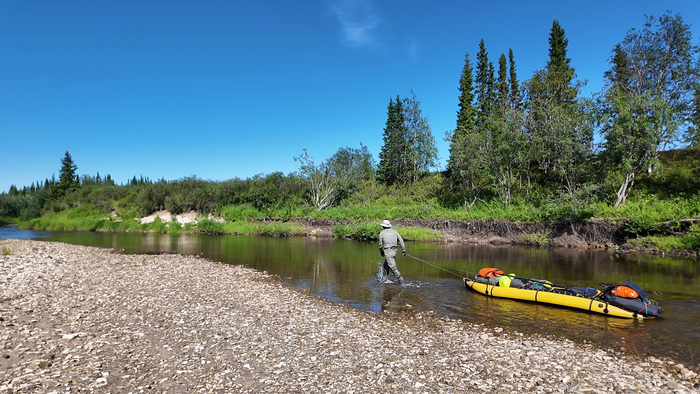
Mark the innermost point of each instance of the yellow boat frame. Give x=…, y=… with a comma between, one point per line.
x=546, y=297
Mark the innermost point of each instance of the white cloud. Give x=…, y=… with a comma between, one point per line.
x=358, y=21
x=413, y=48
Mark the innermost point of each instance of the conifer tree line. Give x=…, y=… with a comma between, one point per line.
x=409, y=150
x=514, y=142
x=538, y=141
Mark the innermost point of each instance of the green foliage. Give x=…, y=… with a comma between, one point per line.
x=369, y=231
x=360, y=231
x=643, y=110
x=466, y=116
x=496, y=210
x=6, y=252
x=22, y=206
x=678, y=174
x=336, y=178
x=536, y=239
x=241, y=228
x=68, y=220
x=693, y=137
x=68, y=179
x=233, y=213
x=274, y=191
x=576, y=207
x=462, y=166
x=391, y=163
x=558, y=128
x=409, y=150
x=158, y=225
x=691, y=240
x=270, y=229
x=644, y=214
x=119, y=225
x=209, y=226
x=419, y=234
x=276, y=229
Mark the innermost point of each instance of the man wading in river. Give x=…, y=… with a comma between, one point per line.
x=389, y=239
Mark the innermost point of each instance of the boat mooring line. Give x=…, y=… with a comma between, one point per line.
x=436, y=266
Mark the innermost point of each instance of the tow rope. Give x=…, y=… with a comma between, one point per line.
x=437, y=266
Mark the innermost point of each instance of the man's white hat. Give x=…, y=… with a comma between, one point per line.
x=386, y=224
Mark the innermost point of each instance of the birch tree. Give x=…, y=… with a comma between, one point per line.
x=337, y=177
x=648, y=101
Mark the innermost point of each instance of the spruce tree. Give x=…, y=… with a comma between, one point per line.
x=421, y=151
x=466, y=115
x=559, y=136
x=501, y=152
x=502, y=89
x=409, y=148
x=68, y=179
x=560, y=74
x=485, y=80
x=391, y=163
x=461, y=171
x=515, y=98
x=486, y=104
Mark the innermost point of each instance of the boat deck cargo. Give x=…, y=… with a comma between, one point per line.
x=625, y=300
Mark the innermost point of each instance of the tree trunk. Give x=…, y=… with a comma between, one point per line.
x=624, y=189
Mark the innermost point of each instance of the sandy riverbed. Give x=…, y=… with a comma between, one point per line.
x=83, y=319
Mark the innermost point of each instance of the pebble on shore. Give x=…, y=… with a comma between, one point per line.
x=79, y=319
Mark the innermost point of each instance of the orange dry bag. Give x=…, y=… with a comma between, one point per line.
x=489, y=272
x=625, y=292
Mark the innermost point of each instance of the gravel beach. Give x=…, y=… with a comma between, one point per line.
x=83, y=319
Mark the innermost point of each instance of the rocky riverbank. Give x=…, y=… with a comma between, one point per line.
x=83, y=319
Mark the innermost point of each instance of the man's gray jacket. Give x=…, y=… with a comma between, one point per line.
x=390, y=239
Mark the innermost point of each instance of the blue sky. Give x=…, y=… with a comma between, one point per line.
x=230, y=89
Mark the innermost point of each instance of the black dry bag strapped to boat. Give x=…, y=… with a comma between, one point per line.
x=620, y=296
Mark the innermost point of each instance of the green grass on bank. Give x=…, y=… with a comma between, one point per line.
x=648, y=213
x=669, y=243
x=93, y=221
x=370, y=231
x=641, y=215
x=7, y=221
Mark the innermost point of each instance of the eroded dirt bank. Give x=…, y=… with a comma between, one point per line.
x=565, y=234
x=83, y=319
x=597, y=235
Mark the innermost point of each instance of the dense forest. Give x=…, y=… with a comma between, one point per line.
x=530, y=151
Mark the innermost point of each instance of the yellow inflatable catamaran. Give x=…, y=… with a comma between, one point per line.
x=546, y=293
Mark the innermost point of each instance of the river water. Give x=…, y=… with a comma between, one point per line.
x=343, y=271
